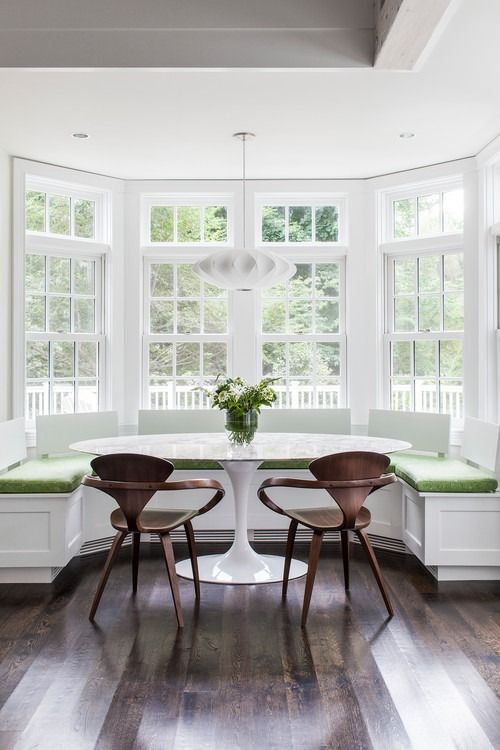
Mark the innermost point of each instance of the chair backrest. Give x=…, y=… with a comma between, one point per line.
x=163, y=421
x=425, y=432
x=56, y=432
x=131, y=467
x=306, y=420
x=481, y=444
x=12, y=442
x=351, y=467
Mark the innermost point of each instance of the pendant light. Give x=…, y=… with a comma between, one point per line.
x=244, y=268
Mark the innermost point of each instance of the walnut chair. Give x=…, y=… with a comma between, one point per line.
x=132, y=480
x=348, y=478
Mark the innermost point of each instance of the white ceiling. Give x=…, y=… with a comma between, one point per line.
x=309, y=124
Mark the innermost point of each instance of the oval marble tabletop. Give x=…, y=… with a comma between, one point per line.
x=215, y=446
x=241, y=563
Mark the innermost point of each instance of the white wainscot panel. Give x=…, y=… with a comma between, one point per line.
x=23, y=532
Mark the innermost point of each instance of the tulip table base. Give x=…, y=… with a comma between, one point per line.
x=241, y=564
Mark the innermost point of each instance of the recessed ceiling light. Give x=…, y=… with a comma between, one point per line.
x=407, y=135
x=81, y=135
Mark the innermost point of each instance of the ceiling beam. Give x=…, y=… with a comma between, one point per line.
x=405, y=30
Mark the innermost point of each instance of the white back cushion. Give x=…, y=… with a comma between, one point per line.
x=306, y=420
x=425, y=432
x=480, y=443
x=54, y=433
x=162, y=421
x=12, y=442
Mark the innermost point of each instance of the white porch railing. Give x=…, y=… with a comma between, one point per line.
x=38, y=399
x=426, y=399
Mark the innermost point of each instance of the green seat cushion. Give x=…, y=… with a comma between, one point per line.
x=43, y=475
x=434, y=474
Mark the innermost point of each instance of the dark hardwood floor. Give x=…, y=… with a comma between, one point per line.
x=242, y=674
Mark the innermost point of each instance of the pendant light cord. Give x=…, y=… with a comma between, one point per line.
x=244, y=140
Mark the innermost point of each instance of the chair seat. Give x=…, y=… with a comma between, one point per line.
x=154, y=521
x=326, y=518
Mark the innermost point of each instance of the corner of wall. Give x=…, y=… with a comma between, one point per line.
x=5, y=285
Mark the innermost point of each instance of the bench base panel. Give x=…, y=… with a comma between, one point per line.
x=464, y=572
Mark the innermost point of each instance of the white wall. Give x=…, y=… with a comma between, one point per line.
x=5, y=286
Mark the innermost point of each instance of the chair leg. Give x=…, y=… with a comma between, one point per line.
x=113, y=552
x=363, y=538
x=344, y=538
x=292, y=530
x=136, y=544
x=312, y=566
x=188, y=527
x=168, y=553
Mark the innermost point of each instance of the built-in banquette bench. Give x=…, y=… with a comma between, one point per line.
x=41, y=520
x=450, y=506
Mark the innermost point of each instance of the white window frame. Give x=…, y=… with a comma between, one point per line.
x=339, y=337
x=390, y=336
x=199, y=200
x=173, y=338
x=302, y=199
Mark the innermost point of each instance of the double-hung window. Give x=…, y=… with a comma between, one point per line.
x=425, y=301
x=63, y=300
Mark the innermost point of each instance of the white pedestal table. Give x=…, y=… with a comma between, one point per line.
x=241, y=563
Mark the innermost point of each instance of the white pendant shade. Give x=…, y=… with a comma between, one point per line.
x=244, y=269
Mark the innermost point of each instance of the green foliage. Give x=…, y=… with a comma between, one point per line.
x=162, y=224
x=300, y=224
x=215, y=224
x=188, y=224
x=327, y=224
x=84, y=213
x=237, y=395
x=59, y=215
x=273, y=224
x=405, y=220
x=35, y=211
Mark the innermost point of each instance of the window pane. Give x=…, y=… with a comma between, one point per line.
x=84, y=218
x=87, y=359
x=429, y=313
x=404, y=314
x=405, y=276
x=215, y=317
x=162, y=224
x=426, y=395
x=188, y=359
x=451, y=398
x=453, y=271
x=429, y=273
x=300, y=223
x=213, y=291
x=161, y=317
x=300, y=317
x=35, y=273
x=425, y=358
x=87, y=398
x=160, y=360
x=215, y=224
x=274, y=358
x=450, y=359
x=214, y=359
x=453, y=210
x=83, y=276
x=84, y=315
x=188, y=317
x=274, y=317
x=59, y=314
x=35, y=312
x=454, y=312
x=37, y=399
x=327, y=279
x=35, y=211
x=188, y=283
x=401, y=394
x=161, y=280
x=63, y=395
x=59, y=275
x=188, y=224
x=328, y=358
x=429, y=214
x=401, y=358
x=37, y=359
x=300, y=285
x=300, y=358
x=59, y=215
x=327, y=224
x=405, y=224
x=327, y=317
x=273, y=224
x=63, y=365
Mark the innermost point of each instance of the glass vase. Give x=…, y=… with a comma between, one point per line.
x=241, y=427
